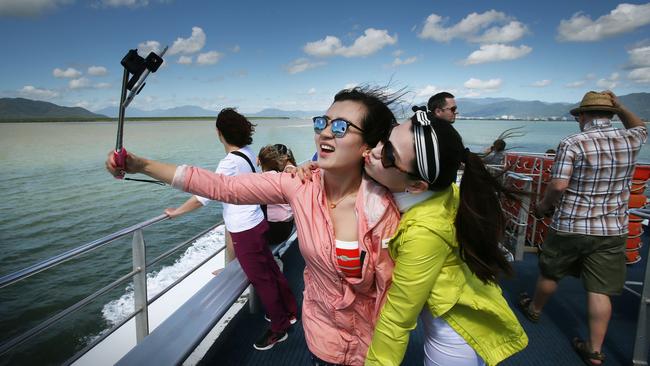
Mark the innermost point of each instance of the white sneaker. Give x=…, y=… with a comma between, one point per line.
x=292, y=320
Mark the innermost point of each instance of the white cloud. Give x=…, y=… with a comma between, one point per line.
x=640, y=56
x=82, y=104
x=505, y=34
x=302, y=64
x=640, y=75
x=474, y=28
x=97, y=71
x=350, y=85
x=484, y=85
x=370, y=42
x=398, y=53
x=240, y=73
x=640, y=64
x=67, y=73
x=184, y=60
x=129, y=3
x=399, y=62
x=608, y=83
x=428, y=91
x=576, y=84
x=625, y=18
x=37, y=93
x=145, y=48
x=325, y=47
x=496, y=52
x=80, y=83
x=311, y=91
x=102, y=86
x=236, y=49
x=472, y=94
x=28, y=8
x=541, y=83
x=190, y=45
x=208, y=58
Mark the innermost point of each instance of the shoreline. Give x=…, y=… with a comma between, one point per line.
x=108, y=119
x=212, y=118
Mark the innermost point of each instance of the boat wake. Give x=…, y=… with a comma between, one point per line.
x=118, y=309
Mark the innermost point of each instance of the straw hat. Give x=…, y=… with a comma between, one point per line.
x=594, y=101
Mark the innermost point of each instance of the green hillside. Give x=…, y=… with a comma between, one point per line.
x=21, y=109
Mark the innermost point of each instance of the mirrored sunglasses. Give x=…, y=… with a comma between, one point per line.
x=339, y=126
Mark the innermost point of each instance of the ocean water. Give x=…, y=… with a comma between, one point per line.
x=56, y=195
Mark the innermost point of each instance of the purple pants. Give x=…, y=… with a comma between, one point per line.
x=257, y=261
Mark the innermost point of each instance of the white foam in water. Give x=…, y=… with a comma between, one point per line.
x=118, y=309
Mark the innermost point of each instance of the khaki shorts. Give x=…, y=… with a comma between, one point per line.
x=598, y=260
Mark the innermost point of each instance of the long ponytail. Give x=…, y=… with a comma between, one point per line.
x=480, y=221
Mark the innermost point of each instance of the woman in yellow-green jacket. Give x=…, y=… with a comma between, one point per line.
x=447, y=257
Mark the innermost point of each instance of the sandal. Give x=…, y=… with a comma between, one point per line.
x=524, y=306
x=586, y=354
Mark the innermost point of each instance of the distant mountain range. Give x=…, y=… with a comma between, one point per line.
x=194, y=111
x=639, y=103
x=182, y=111
x=20, y=109
x=272, y=112
x=512, y=108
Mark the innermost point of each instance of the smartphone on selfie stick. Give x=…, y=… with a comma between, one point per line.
x=136, y=70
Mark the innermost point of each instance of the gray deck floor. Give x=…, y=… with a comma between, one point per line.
x=549, y=344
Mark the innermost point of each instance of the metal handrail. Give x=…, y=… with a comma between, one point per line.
x=640, y=352
x=130, y=316
x=24, y=273
x=73, y=253
x=62, y=314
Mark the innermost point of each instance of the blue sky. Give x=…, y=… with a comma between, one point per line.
x=295, y=55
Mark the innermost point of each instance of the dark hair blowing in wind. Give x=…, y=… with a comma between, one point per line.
x=235, y=128
x=480, y=220
x=379, y=118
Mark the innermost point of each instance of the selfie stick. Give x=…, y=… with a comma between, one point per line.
x=139, y=68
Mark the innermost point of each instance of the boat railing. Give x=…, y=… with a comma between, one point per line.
x=640, y=353
x=176, y=338
x=517, y=213
x=137, y=275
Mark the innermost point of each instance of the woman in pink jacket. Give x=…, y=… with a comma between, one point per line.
x=344, y=221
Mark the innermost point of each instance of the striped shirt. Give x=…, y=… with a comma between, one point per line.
x=599, y=164
x=347, y=258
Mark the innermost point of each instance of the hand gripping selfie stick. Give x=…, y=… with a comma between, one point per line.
x=138, y=69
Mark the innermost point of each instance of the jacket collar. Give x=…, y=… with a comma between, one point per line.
x=406, y=200
x=376, y=200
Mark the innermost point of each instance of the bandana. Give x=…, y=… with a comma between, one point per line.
x=439, y=149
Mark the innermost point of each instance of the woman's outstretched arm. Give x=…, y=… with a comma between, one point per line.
x=245, y=189
x=134, y=164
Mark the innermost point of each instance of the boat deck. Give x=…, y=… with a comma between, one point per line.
x=549, y=340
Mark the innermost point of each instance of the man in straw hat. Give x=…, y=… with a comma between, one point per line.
x=590, y=189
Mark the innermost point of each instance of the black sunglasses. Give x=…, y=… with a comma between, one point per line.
x=388, y=159
x=452, y=109
x=339, y=126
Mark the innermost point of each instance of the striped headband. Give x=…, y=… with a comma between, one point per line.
x=427, y=149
